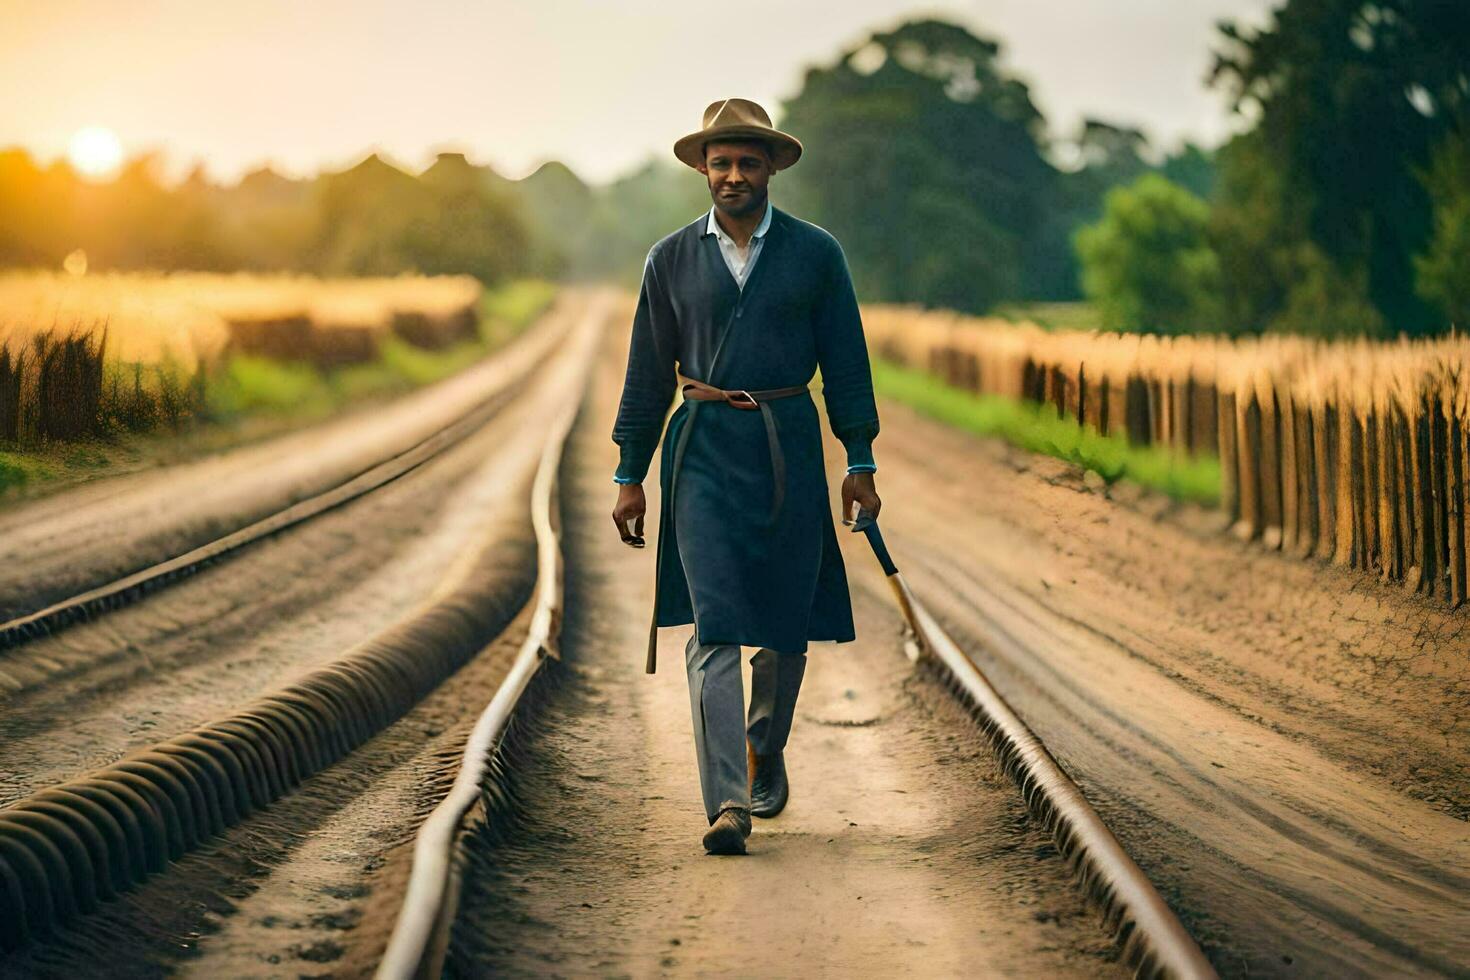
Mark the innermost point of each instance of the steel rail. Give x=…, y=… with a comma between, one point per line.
x=122, y=591
x=420, y=936
x=1153, y=940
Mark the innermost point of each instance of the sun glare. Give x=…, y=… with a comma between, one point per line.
x=95, y=151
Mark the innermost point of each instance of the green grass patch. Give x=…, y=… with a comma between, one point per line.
x=508, y=310
x=20, y=469
x=1038, y=429
x=254, y=385
x=247, y=385
x=1079, y=315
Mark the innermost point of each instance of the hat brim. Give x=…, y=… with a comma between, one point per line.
x=785, y=148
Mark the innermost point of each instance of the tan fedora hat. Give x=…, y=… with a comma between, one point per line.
x=738, y=117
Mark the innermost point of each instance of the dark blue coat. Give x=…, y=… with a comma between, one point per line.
x=720, y=563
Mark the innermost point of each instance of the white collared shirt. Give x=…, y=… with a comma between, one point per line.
x=740, y=261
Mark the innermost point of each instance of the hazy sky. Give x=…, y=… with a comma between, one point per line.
x=599, y=84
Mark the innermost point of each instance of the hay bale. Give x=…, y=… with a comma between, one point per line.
x=434, y=331
x=289, y=337
x=338, y=345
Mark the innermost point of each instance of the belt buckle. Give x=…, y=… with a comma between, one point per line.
x=748, y=405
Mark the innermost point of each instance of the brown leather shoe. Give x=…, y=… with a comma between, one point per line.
x=769, y=788
x=727, y=834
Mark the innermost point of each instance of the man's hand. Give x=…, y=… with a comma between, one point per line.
x=630, y=509
x=858, y=488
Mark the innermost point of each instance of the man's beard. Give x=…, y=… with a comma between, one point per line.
x=752, y=203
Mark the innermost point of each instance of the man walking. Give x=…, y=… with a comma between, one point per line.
x=738, y=309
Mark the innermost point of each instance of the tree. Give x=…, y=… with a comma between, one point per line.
x=467, y=228
x=1192, y=168
x=1352, y=97
x=1101, y=156
x=634, y=211
x=374, y=219
x=925, y=159
x=1444, y=268
x=1148, y=264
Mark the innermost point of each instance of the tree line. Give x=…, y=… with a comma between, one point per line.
x=1344, y=208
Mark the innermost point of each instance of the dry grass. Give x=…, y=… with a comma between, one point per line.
x=1354, y=450
x=83, y=356
x=193, y=316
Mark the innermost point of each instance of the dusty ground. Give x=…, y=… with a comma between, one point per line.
x=1282, y=745
x=211, y=642
x=312, y=883
x=904, y=848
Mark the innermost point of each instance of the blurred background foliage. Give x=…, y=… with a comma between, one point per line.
x=1343, y=207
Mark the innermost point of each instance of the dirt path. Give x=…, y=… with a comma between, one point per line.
x=904, y=848
x=1282, y=745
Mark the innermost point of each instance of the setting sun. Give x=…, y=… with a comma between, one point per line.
x=95, y=151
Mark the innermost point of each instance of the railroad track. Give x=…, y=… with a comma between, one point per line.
x=71, y=848
x=1151, y=940
x=283, y=506
x=21, y=669
x=68, y=849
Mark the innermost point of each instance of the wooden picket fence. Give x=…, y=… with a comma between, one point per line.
x=1354, y=451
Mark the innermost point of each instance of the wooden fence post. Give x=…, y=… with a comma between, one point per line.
x=1347, y=450
x=1307, y=482
x=1229, y=467
x=1423, y=500
x=1438, y=479
x=1181, y=398
x=1248, y=419
x=1157, y=427
x=1324, y=462
x=1082, y=417
x=1388, y=525
x=1455, y=508
x=1372, y=543
x=1269, y=469
x=1403, y=481
x=971, y=372
x=1136, y=411
x=1291, y=515
x=1206, y=403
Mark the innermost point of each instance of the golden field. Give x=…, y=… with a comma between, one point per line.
x=87, y=357
x=195, y=316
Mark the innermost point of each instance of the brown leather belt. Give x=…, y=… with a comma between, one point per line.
x=752, y=401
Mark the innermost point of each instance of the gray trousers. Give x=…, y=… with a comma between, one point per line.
x=717, y=699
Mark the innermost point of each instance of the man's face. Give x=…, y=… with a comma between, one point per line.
x=738, y=174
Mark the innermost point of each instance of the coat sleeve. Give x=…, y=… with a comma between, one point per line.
x=648, y=386
x=842, y=356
